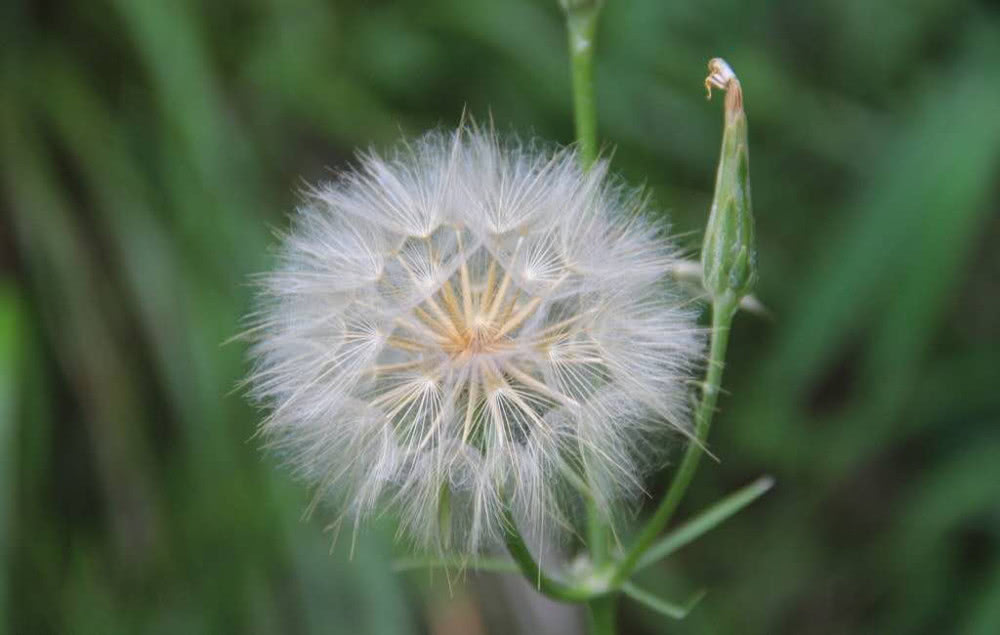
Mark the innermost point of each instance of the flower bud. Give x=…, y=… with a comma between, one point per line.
x=729, y=253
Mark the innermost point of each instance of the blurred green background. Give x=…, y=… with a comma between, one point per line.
x=148, y=148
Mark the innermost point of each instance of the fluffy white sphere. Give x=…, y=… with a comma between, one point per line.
x=466, y=323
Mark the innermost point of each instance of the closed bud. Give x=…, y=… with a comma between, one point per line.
x=729, y=253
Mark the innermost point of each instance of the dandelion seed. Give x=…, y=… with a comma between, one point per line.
x=465, y=319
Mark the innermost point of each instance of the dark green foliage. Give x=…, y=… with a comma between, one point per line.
x=147, y=147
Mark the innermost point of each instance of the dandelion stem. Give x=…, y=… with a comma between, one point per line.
x=597, y=534
x=519, y=551
x=581, y=26
x=601, y=615
x=723, y=309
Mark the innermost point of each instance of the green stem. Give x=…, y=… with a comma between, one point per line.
x=532, y=571
x=597, y=535
x=601, y=615
x=723, y=309
x=581, y=26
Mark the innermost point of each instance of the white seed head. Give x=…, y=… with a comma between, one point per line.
x=465, y=320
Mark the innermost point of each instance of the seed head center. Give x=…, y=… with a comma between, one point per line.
x=476, y=337
x=470, y=317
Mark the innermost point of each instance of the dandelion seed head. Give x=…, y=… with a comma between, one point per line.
x=473, y=320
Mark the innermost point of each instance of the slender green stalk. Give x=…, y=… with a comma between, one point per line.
x=551, y=587
x=597, y=535
x=581, y=27
x=723, y=310
x=601, y=615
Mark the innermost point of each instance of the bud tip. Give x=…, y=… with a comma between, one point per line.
x=721, y=76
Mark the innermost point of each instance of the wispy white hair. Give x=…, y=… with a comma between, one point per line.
x=466, y=324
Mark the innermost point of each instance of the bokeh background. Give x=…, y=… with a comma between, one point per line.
x=149, y=148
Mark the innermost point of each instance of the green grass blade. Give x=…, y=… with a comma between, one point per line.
x=66, y=277
x=10, y=360
x=984, y=616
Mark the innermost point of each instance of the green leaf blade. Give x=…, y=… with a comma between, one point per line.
x=669, y=609
x=705, y=521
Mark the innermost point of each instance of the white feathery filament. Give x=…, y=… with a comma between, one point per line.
x=467, y=319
